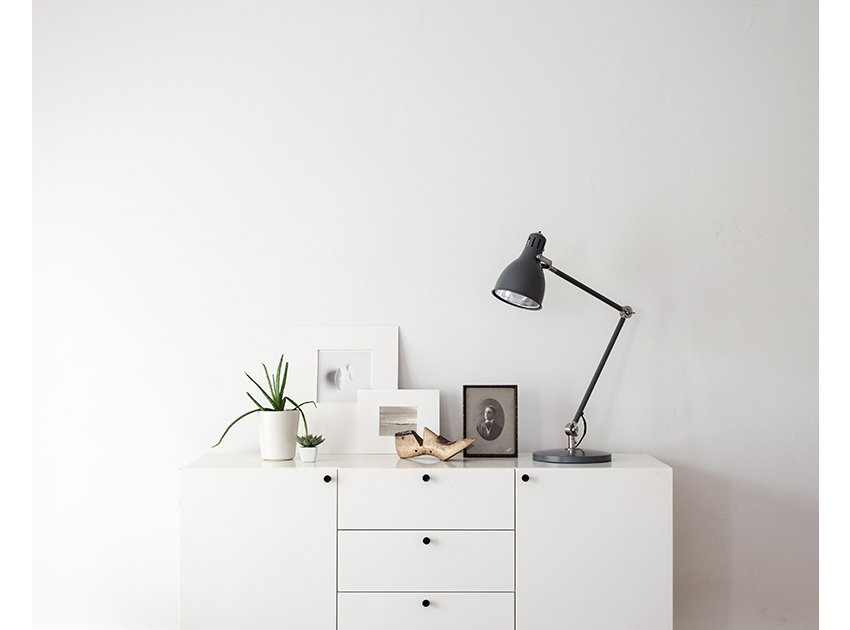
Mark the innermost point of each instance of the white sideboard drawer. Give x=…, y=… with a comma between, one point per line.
x=416, y=560
x=443, y=498
x=391, y=611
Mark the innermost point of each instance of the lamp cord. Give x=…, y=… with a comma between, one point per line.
x=584, y=432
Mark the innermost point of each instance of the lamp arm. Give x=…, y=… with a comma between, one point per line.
x=625, y=313
x=547, y=264
x=571, y=427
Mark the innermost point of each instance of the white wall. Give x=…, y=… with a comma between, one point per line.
x=208, y=174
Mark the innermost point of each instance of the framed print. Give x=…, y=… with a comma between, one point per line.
x=490, y=414
x=381, y=413
x=329, y=365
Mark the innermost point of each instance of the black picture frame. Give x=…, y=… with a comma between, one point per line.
x=496, y=429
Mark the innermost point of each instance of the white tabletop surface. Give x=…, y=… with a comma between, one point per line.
x=350, y=460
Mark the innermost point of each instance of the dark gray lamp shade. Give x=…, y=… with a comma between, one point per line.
x=522, y=283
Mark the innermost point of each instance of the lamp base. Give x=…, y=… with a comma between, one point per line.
x=572, y=456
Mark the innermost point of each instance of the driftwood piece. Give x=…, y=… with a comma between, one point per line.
x=409, y=444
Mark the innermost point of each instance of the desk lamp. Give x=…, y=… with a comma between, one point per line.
x=522, y=284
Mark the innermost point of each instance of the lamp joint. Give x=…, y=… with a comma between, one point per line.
x=572, y=433
x=545, y=262
x=626, y=312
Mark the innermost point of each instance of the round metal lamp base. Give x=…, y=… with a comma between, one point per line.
x=572, y=456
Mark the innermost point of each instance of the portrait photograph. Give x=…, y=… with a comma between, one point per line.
x=490, y=416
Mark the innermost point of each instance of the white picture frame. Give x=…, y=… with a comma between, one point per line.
x=337, y=421
x=374, y=415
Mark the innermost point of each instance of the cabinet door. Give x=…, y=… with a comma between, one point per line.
x=594, y=549
x=258, y=549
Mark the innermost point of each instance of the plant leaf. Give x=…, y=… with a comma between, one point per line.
x=310, y=440
x=274, y=397
x=301, y=411
x=231, y=424
x=264, y=392
x=260, y=407
x=279, y=391
x=285, y=373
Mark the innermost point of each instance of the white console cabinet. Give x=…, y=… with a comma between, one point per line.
x=373, y=542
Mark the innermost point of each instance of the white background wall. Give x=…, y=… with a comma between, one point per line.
x=208, y=174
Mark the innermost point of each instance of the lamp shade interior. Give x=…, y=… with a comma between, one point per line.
x=516, y=299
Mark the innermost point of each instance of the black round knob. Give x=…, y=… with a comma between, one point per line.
x=327, y=478
x=525, y=477
x=426, y=541
x=426, y=478
x=426, y=603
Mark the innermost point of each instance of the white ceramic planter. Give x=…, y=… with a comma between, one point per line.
x=277, y=434
x=308, y=453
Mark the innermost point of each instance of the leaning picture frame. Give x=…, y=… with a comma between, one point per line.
x=381, y=413
x=490, y=415
x=329, y=365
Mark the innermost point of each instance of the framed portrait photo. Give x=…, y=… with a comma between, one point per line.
x=490, y=415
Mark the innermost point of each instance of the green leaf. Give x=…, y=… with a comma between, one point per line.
x=301, y=411
x=231, y=424
x=279, y=392
x=271, y=402
x=260, y=407
x=274, y=397
x=285, y=373
x=309, y=440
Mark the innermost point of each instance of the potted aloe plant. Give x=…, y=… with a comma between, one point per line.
x=278, y=425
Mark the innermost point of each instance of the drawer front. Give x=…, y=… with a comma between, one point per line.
x=419, y=498
x=391, y=611
x=424, y=560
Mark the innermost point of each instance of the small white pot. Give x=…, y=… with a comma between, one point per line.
x=308, y=453
x=277, y=434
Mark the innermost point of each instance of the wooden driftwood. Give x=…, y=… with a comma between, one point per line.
x=409, y=444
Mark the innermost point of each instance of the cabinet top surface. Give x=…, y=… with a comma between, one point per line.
x=622, y=461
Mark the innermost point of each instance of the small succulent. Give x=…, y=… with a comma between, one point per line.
x=309, y=440
x=276, y=399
